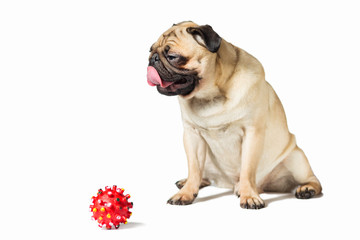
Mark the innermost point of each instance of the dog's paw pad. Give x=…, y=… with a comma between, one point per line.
x=305, y=192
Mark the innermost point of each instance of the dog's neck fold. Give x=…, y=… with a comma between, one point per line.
x=227, y=59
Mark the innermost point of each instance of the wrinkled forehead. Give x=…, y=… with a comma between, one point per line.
x=176, y=37
x=179, y=27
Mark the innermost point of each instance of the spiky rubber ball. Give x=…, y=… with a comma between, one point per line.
x=110, y=207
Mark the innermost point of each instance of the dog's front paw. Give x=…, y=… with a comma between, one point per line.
x=251, y=202
x=249, y=197
x=182, y=198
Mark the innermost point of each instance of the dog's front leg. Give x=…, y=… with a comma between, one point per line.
x=195, y=148
x=252, y=149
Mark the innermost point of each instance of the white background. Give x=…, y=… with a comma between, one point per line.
x=76, y=114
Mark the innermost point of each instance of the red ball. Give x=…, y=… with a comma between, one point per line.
x=111, y=207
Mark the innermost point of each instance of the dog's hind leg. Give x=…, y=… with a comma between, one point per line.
x=297, y=164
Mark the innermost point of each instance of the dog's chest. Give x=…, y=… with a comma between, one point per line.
x=222, y=130
x=224, y=147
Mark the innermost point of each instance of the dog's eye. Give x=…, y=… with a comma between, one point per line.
x=176, y=59
x=171, y=57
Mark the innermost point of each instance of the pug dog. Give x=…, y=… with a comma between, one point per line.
x=235, y=130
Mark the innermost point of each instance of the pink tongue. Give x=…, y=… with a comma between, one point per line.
x=154, y=79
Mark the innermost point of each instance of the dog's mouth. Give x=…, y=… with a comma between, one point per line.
x=182, y=85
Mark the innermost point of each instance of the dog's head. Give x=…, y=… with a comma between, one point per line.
x=180, y=57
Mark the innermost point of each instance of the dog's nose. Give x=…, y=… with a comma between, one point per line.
x=154, y=59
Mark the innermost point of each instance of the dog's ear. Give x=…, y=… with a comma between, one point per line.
x=206, y=37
